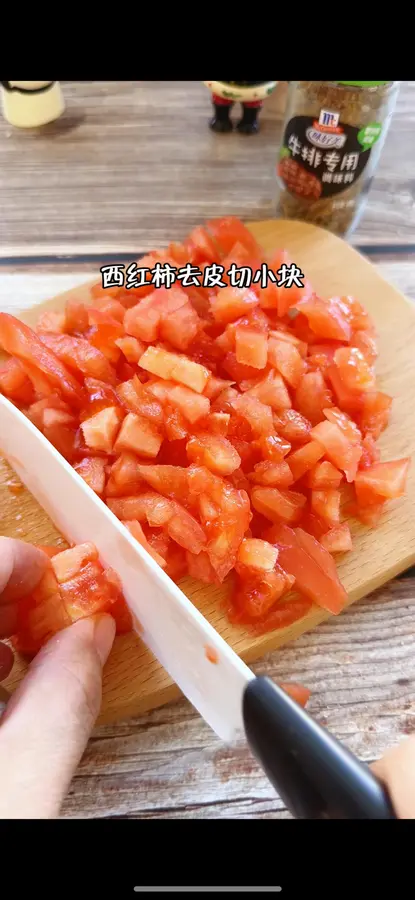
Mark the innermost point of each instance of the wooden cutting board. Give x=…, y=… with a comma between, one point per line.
x=134, y=682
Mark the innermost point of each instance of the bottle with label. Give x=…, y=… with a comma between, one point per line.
x=333, y=136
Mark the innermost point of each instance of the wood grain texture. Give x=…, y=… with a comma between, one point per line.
x=131, y=163
x=134, y=682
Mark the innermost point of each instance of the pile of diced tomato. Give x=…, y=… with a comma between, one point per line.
x=233, y=430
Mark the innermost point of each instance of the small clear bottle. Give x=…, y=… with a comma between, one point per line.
x=333, y=135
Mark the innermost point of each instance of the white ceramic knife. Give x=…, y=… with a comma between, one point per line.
x=315, y=775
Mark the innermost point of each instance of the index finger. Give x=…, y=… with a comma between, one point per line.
x=21, y=568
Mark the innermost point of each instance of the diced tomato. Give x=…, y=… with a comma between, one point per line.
x=172, y=367
x=375, y=413
x=258, y=414
x=138, y=435
x=370, y=452
x=367, y=515
x=284, y=335
x=278, y=506
x=92, y=470
x=200, y=568
x=313, y=568
x=214, y=452
x=79, y=355
x=303, y=459
x=131, y=347
x=228, y=231
x=15, y=384
x=256, y=594
x=383, y=480
x=238, y=371
x=147, y=507
x=286, y=358
x=137, y=532
x=193, y=406
x=338, y=539
x=185, y=530
x=345, y=423
x=134, y=397
x=171, y=481
x=180, y=327
x=125, y=478
x=292, y=426
x=214, y=386
x=229, y=303
x=258, y=555
x=285, y=613
x=298, y=692
x=76, y=316
x=366, y=343
x=107, y=305
x=61, y=434
x=273, y=447
x=52, y=321
x=312, y=396
x=272, y=474
x=326, y=505
x=339, y=450
x=251, y=346
x=100, y=395
x=350, y=401
x=325, y=318
x=143, y=320
x=324, y=476
x=272, y=391
x=101, y=429
x=68, y=563
x=200, y=246
x=314, y=525
x=354, y=370
x=20, y=341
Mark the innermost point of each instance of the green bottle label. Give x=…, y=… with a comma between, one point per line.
x=368, y=135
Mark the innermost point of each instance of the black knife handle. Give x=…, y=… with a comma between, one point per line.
x=314, y=774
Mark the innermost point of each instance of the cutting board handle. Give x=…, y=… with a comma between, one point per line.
x=314, y=774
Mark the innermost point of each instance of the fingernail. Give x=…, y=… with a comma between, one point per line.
x=104, y=634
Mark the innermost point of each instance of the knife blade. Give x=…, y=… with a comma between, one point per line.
x=166, y=620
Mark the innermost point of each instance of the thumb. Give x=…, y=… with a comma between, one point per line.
x=49, y=718
x=397, y=771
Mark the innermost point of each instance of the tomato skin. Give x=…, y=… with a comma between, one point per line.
x=298, y=692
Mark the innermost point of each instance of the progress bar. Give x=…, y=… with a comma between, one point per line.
x=208, y=890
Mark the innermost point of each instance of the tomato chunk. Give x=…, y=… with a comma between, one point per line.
x=304, y=459
x=214, y=452
x=138, y=435
x=170, y=366
x=286, y=358
x=101, y=429
x=338, y=539
x=232, y=302
x=382, y=480
x=339, y=450
x=278, y=506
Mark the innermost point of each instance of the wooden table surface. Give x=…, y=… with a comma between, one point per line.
x=130, y=166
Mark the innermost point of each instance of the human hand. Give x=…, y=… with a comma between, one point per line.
x=47, y=722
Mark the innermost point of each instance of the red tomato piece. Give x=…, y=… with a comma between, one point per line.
x=92, y=470
x=55, y=322
x=131, y=347
x=339, y=450
x=257, y=554
x=76, y=316
x=258, y=414
x=273, y=447
x=272, y=474
x=200, y=247
x=150, y=507
x=138, y=435
x=251, y=345
x=20, y=341
x=193, y=406
x=292, y=426
x=325, y=318
x=143, y=320
x=278, y=506
x=125, y=478
x=229, y=303
x=350, y=401
x=137, y=532
x=284, y=335
x=200, y=568
x=15, y=384
x=383, y=480
x=303, y=459
x=69, y=563
x=285, y=613
x=214, y=452
x=79, y=355
x=313, y=568
x=370, y=452
x=272, y=391
x=366, y=343
x=326, y=505
x=312, y=396
x=100, y=396
x=170, y=366
x=286, y=358
x=297, y=692
x=228, y=231
x=345, y=423
x=171, y=481
x=257, y=593
x=134, y=397
x=324, y=476
x=215, y=386
x=238, y=371
x=354, y=370
x=375, y=413
x=185, y=530
x=101, y=429
x=338, y=539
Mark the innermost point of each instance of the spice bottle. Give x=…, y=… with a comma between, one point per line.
x=333, y=136
x=30, y=104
